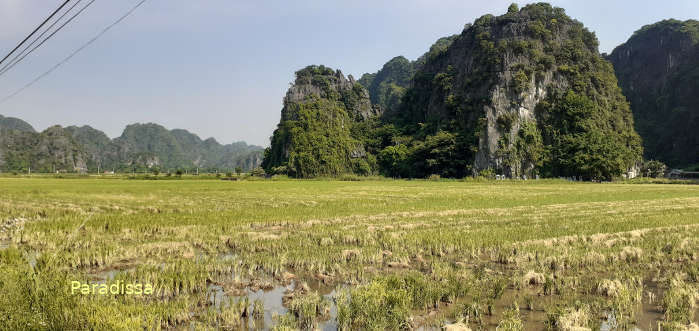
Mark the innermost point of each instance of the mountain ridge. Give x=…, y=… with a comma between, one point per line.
x=526, y=93
x=139, y=147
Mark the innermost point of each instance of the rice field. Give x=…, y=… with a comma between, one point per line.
x=348, y=255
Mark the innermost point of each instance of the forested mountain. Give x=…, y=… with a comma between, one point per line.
x=658, y=70
x=140, y=147
x=316, y=133
x=12, y=123
x=54, y=149
x=524, y=93
x=387, y=86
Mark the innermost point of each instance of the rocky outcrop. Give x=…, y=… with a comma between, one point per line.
x=315, y=135
x=506, y=84
x=658, y=70
x=322, y=82
x=51, y=150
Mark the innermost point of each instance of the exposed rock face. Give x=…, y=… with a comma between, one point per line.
x=140, y=146
x=658, y=70
x=331, y=85
x=48, y=151
x=314, y=136
x=500, y=87
x=101, y=152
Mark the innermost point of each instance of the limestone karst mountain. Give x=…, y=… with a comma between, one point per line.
x=140, y=147
x=658, y=70
x=316, y=134
x=524, y=93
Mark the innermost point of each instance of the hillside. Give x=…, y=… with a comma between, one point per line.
x=140, y=147
x=315, y=135
x=387, y=86
x=525, y=93
x=12, y=123
x=54, y=149
x=658, y=70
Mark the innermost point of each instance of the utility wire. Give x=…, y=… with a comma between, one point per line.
x=22, y=54
x=85, y=45
x=35, y=30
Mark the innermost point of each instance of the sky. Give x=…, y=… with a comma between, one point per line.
x=220, y=68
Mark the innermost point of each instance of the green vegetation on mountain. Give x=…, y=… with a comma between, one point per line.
x=141, y=147
x=51, y=150
x=658, y=70
x=386, y=87
x=12, y=123
x=522, y=94
x=315, y=135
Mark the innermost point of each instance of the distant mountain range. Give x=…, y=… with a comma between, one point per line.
x=140, y=147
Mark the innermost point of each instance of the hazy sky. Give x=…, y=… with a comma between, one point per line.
x=220, y=68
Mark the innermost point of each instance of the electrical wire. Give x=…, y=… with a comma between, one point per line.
x=85, y=45
x=35, y=30
x=14, y=60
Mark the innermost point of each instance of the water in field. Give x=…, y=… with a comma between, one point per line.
x=274, y=304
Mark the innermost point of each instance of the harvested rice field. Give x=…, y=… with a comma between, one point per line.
x=348, y=255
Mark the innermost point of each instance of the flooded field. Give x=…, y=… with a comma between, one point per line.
x=328, y=255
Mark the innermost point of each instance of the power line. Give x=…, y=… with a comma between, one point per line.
x=35, y=30
x=12, y=62
x=85, y=45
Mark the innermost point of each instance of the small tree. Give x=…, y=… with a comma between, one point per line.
x=653, y=169
x=238, y=170
x=178, y=173
x=258, y=172
x=513, y=8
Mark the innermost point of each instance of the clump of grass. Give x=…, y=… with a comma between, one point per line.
x=326, y=241
x=533, y=278
x=679, y=302
x=631, y=254
x=625, y=297
x=511, y=320
x=286, y=322
x=608, y=287
x=572, y=319
x=306, y=308
x=458, y=326
x=529, y=302
x=258, y=309
x=374, y=306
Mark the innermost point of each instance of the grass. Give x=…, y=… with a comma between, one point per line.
x=402, y=254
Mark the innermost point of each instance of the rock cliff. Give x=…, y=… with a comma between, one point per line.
x=524, y=93
x=314, y=136
x=658, y=70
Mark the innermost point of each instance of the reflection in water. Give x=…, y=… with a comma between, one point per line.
x=273, y=301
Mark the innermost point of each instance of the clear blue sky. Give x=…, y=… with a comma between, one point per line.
x=220, y=68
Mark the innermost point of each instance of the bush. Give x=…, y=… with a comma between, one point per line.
x=258, y=172
x=487, y=173
x=653, y=169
